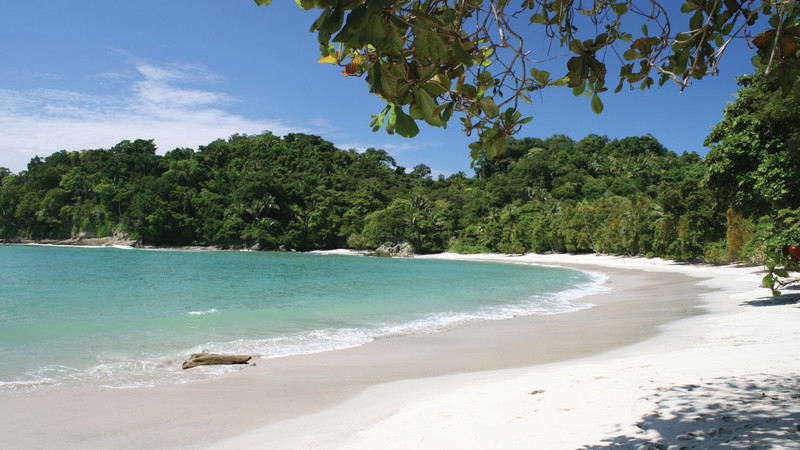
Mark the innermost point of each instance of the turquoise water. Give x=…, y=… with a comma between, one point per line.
x=128, y=317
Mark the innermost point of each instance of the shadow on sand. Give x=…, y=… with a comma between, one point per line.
x=761, y=411
x=790, y=295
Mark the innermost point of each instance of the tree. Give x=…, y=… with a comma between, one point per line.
x=432, y=59
x=754, y=166
x=421, y=171
x=754, y=161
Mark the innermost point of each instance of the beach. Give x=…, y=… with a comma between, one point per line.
x=673, y=354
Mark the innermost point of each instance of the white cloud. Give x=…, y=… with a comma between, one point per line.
x=394, y=149
x=47, y=75
x=402, y=153
x=167, y=103
x=154, y=106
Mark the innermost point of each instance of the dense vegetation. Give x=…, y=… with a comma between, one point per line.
x=622, y=196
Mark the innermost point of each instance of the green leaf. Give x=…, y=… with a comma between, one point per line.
x=447, y=113
x=415, y=111
x=427, y=105
x=631, y=55
x=541, y=76
x=578, y=90
x=732, y=5
x=463, y=56
x=378, y=122
x=429, y=46
x=329, y=22
x=491, y=151
x=597, y=104
x=350, y=34
x=620, y=8
x=757, y=62
x=489, y=107
x=560, y=82
x=391, y=119
x=524, y=120
x=688, y=7
x=696, y=21
x=438, y=85
x=474, y=153
x=538, y=18
x=782, y=273
x=263, y=2
x=405, y=125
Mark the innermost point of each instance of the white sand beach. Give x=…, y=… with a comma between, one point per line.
x=727, y=378
x=672, y=356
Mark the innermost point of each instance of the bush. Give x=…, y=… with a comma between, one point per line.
x=716, y=252
x=463, y=247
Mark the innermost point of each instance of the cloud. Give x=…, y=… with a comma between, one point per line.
x=393, y=148
x=157, y=104
x=169, y=103
x=47, y=75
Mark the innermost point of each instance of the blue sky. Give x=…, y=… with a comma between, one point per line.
x=91, y=73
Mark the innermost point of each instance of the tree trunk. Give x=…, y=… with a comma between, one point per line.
x=204, y=359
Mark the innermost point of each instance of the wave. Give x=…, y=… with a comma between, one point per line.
x=200, y=313
x=121, y=371
x=117, y=246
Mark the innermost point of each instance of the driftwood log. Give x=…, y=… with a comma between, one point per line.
x=205, y=359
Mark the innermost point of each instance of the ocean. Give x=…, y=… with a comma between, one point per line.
x=124, y=317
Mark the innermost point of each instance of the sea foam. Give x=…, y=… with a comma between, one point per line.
x=249, y=317
x=200, y=313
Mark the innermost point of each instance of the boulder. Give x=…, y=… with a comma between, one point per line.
x=403, y=250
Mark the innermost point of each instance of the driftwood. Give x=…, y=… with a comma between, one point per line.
x=204, y=359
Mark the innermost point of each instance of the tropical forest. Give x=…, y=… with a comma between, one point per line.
x=629, y=196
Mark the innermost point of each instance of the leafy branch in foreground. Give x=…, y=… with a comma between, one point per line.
x=778, y=267
x=432, y=59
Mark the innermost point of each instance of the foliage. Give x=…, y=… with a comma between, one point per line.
x=754, y=161
x=754, y=165
x=778, y=267
x=300, y=192
x=432, y=59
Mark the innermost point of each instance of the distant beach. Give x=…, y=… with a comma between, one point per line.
x=673, y=354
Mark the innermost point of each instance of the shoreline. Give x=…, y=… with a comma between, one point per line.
x=725, y=378
x=265, y=403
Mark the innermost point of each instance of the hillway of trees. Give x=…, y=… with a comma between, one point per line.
x=626, y=196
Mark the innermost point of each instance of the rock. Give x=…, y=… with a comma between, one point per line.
x=205, y=359
x=382, y=251
x=403, y=250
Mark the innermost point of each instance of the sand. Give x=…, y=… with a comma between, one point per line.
x=673, y=355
